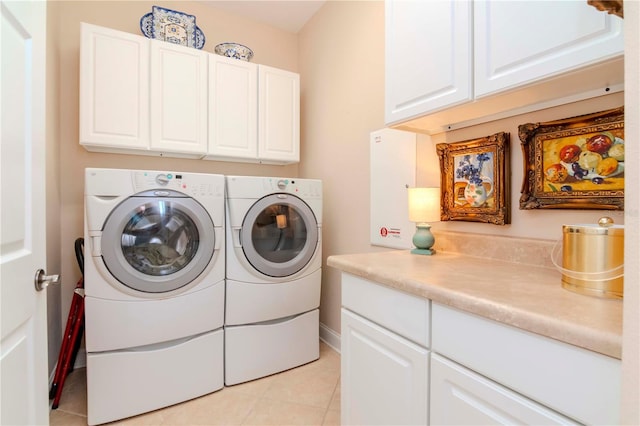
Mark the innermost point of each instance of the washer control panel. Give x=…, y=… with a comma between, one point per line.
x=194, y=184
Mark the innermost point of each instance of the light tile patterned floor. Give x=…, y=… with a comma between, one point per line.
x=307, y=395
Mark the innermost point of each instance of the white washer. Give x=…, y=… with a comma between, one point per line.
x=274, y=260
x=154, y=278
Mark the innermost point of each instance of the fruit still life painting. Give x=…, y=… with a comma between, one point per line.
x=574, y=163
x=594, y=161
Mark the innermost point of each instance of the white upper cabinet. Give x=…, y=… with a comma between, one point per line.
x=428, y=56
x=520, y=42
x=454, y=62
x=278, y=115
x=254, y=113
x=114, y=89
x=178, y=99
x=233, y=109
x=142, y=96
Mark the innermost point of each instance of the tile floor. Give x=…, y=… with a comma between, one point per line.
x=307, y=395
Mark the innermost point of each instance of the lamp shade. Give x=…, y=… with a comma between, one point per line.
x=424, y=205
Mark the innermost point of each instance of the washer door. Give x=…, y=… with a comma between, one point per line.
x=279, y=235
x=157, y=241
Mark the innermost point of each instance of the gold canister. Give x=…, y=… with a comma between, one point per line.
x=593, y=259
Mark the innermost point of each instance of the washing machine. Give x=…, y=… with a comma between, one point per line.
x=274, y=267
x=154, y=279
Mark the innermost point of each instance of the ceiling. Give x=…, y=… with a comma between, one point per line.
x=288, y=15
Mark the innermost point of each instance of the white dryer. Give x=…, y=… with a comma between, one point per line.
x=154, y=275
x=274, y=267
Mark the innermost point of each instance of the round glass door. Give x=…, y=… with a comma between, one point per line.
x=279, y=235
x=157, y=244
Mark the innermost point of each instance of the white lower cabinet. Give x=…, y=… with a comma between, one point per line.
x=578, y=383
x=461, y=397
x=384, y=376
x=384, y=356
x=409, y=360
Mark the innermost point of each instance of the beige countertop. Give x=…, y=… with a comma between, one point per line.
x=528, y=297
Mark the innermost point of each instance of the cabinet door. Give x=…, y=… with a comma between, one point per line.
x=521, y=42
x=278, y=115
x=459, y=396
x=428, y=57
x=114, y=89
x=178, y=99
x=233, y=108
x=581, y=384
x=384, y=376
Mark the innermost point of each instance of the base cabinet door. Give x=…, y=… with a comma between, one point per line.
x=384, y=376
x=462, y=397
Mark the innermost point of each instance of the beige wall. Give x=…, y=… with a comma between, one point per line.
x=342, y=85
x=68, y=159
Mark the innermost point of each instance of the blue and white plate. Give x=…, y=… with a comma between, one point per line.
x=147, y=28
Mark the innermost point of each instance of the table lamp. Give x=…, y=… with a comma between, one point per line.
x=424, y=206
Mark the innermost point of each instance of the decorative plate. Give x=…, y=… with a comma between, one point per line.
x=146, y=26
x=234, y=50
x=172, y=26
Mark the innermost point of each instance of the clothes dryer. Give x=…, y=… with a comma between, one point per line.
x=274, y=267
x=154, y=289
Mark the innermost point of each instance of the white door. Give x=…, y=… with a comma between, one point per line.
x=23, y=348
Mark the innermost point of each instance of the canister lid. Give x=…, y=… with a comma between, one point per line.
x=605, y=226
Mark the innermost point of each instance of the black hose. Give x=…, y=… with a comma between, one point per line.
x=79, y=247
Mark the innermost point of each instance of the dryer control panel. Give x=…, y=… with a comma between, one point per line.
x=306, y=188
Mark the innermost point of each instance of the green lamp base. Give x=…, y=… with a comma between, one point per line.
x=427, y=252
x=423, y=239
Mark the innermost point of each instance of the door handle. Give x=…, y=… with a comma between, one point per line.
x=42, y=281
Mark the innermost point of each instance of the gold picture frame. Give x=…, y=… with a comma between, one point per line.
x=574, y=163
x=474, y=179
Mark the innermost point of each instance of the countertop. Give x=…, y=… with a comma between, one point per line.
x=527, y=297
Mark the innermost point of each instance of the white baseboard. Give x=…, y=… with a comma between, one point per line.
x=330, y=337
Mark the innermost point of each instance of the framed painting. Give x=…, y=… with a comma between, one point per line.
x=574, y=163
x=474, y=179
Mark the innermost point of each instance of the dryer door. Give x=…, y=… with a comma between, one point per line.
x=279, y=235
x=157, y=241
